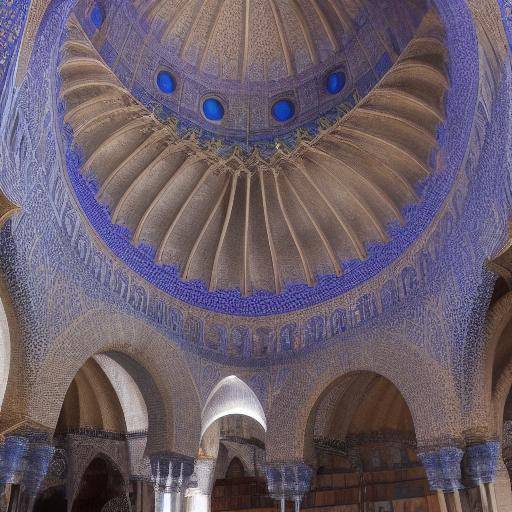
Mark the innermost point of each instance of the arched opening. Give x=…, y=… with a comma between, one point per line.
x=501, y=381
x=235, y=469
x=5, y=352
x=233, y=426
x=103, y=427
x=52, y=500
x=363, y=448
x=101, y=483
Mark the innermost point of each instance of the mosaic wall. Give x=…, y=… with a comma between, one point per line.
x=59, y=271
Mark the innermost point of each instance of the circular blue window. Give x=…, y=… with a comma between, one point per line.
x=336, y=82
x=166, y=82
x=213, y=109
x=97, y=16
x=283, y=110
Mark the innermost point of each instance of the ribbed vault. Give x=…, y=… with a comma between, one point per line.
x=248, y=223
x=260, y=40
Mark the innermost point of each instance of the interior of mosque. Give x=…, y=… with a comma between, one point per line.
x=255, y=255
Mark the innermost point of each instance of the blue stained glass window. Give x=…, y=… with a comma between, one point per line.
x=166, y=82
x=336, y=82
x=213, y=109
x=283, y=110
x=97, y=16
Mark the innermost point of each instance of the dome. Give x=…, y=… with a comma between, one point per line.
x=247, y=222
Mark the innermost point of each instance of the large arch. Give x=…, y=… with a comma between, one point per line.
x=152, y=361
x=291, y=419
x=134, y=407
x=13, y=382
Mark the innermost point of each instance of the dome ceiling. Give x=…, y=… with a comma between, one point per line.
x=252, y=223
x=252, y=40
x=265, y=67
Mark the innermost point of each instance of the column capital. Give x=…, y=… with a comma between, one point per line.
x=12, y=452
x=170, y=472
x=443, y=468
x=38, y=458
x=288, y=479
x=481, y=461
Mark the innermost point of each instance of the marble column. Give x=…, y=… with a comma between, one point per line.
x=170, y=475
x=443, y=468
x=288, y=481
x=480, y=465
x=199, y=493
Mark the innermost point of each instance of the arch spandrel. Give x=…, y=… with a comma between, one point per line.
x=176, y=409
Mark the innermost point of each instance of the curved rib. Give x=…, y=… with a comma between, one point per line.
x=245, y=271
x=79, y=62
x=411, y=64
x=319, y=230
x=76, y=85
x=121, y=131
x=227, y=218
x=179, y=9
x=282, y=36
x=105, y=114
x=392, y=145
x=381, y=162
x=185, y=165
x=273, y=253
x=375, y=188
x=327, y=26
x=203, y=231
x=169, y=150
x=77, y=109
x=300, y=250
x=369, y=213
x=306, y=32
x=356, y=242
x=189, y=198
x=246, y=39
x=380, y=113
x=344, y=18
x=211, y=32
x=155, y=137
x=191, y=29
x=388, y=92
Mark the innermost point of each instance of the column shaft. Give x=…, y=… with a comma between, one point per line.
x=442, y=501
x=483, y=497
x=491, y=495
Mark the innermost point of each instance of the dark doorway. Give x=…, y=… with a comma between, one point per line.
x=101, y=482
x=52, y=500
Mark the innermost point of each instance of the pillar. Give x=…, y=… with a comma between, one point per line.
x=443, y=468
x=199, y=493
x=288, y=481
x=170, y=474
x=12, y=453
x=38, y=458
x=480, y=465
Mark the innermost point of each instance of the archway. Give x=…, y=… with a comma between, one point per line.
x=105, y=414
x=363, y=442
x=52, y=500
x=102, y=482
x=231, y=460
